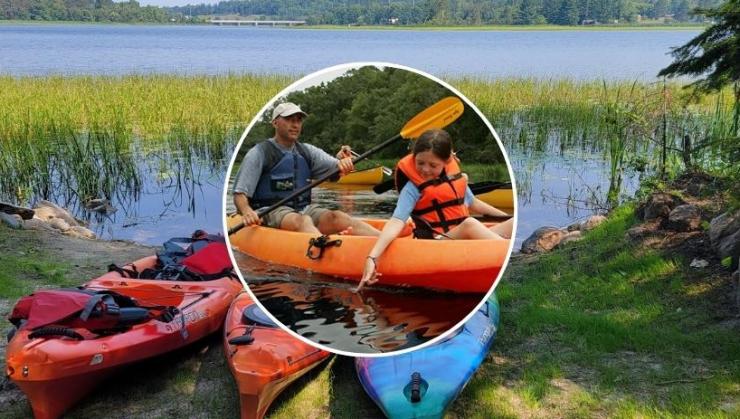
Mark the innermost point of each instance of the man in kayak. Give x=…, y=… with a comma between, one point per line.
x=276, y=167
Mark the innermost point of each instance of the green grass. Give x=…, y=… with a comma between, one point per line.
x=23, y=268
x=602, y=328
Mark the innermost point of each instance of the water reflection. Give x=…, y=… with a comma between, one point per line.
x=150, y=196
x=328, y=312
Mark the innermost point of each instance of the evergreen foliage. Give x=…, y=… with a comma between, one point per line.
x=81, y=11
x=368, y=105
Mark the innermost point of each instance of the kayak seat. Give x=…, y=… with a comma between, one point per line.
x=253, y=315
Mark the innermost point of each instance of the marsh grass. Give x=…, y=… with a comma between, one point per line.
x=82, y=136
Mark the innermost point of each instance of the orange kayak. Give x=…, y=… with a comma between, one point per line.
x=56, y=371
x=263, y=358
x=447, y=265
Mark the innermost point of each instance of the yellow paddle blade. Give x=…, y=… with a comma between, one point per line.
x=439, y=115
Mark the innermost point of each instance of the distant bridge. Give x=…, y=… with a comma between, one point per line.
x=239, y=22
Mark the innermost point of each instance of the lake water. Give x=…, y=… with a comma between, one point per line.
x=27, y=49
x=552, y=185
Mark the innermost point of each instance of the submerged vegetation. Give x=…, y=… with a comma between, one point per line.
x=84, y=135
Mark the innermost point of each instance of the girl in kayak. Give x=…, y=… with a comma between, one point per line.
x=434, y=193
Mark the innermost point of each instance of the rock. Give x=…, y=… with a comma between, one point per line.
x=571, y=236
x=543, y=239
x=684, y=217
x=37, y=224
x=59, y=224
x=80, y=232
x=699, y=263
x=588, y=224
x=46, y=210
x=25, y=213
x=641, y=230
x=658, y=205
x=12, y=220
x=724, y=234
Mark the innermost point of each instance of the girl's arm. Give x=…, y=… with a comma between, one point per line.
x=392, y=229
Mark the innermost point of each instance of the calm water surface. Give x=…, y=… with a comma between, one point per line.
x=374, y=321
x=27, y=49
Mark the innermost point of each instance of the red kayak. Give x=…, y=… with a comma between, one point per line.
x=70, y=340
x=263, y=358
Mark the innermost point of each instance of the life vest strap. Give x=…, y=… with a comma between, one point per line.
x=443, y=178
x=438, y=206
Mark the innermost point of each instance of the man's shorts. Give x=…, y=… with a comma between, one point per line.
x=275, y=217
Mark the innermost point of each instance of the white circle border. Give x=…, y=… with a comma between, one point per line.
x=347, y=67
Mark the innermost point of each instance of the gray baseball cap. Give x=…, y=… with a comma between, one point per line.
x=286, y=109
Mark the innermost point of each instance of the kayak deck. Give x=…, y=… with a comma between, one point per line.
x=263, y=368
x=56, y=372
x=466, y=266
x=388, y=381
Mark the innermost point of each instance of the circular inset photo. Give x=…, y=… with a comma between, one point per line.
x=370, y=209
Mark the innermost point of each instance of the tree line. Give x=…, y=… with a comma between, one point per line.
x=455, y=12
x=368, y=105
x=82, y=11
x=367, y=12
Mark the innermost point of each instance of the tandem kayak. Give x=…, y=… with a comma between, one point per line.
x=57, y=365
x=263, y=358
x=372, y=176
x=447, y=265
x=423, y=383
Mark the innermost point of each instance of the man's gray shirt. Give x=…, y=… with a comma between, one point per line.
x=251, y=167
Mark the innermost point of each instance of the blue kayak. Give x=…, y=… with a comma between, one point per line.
x=423, y=383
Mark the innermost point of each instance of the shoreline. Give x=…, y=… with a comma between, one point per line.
x=421, y=28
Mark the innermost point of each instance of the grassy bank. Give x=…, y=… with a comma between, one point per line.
x=602, y=328
x=609, y=328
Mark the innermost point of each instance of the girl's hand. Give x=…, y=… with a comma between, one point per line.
x=370, y=276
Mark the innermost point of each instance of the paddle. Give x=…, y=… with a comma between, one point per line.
x=386, y=171
x=438, y=115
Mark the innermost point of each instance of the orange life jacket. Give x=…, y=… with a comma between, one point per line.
x=442, y=201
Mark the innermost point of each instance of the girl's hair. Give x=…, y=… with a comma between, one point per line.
x=435, y=140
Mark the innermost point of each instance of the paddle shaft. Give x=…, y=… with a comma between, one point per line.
x=386, y=171
x=264, y=211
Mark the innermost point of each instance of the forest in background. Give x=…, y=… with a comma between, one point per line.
x=368, y=105
x=369, y=12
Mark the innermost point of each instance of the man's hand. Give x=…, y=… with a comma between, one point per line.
x=345, y=166
x=344, y=152
x=250, y=217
